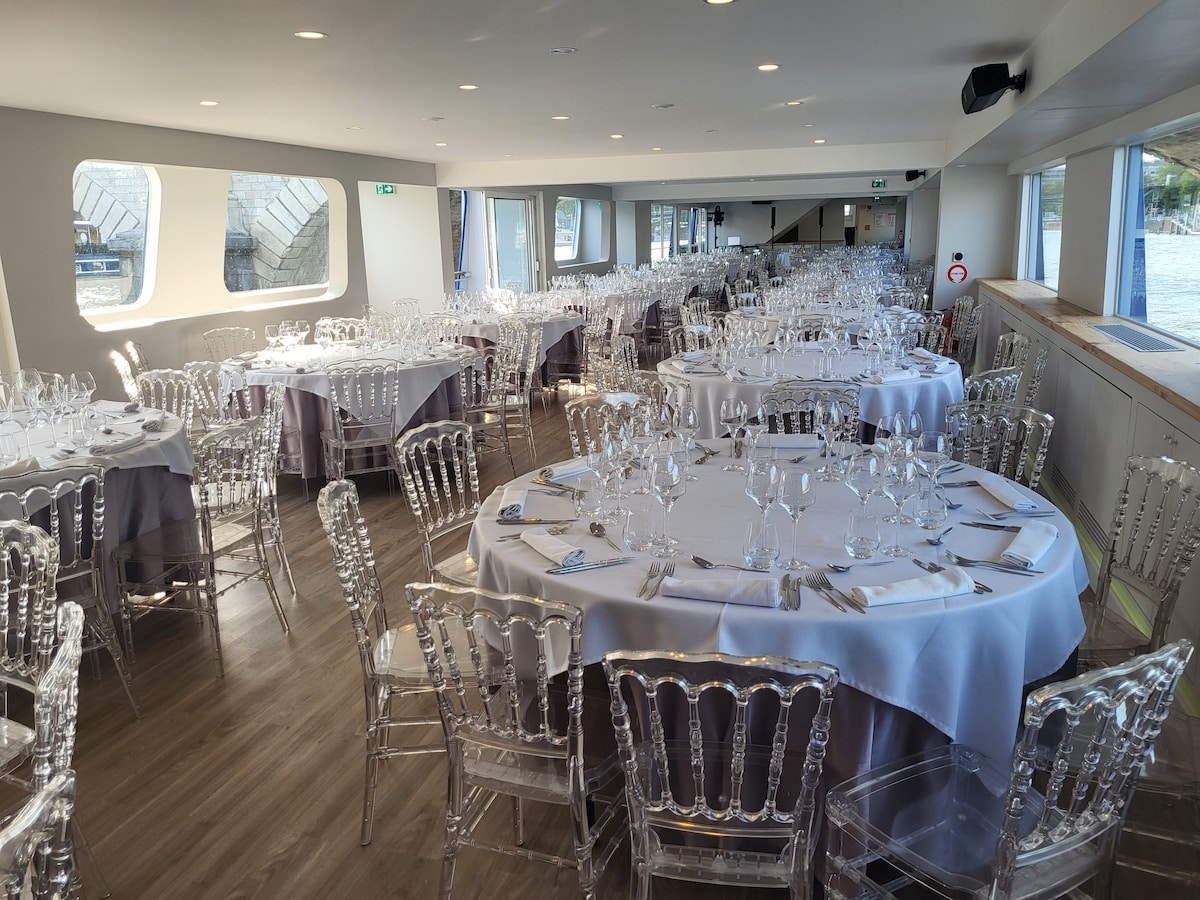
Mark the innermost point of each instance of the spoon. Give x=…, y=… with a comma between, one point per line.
x=838, y=567
x=705, y=564
x=950, y=505
x=937, y=541
x=598, y=530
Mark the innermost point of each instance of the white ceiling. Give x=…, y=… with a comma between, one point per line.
x=870, y=73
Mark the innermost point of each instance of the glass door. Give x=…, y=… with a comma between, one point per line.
x=512, y=243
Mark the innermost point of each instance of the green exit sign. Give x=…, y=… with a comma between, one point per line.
x=877, y=183
x=385, y=189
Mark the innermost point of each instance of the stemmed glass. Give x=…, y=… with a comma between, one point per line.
x=29, y=383
x=827, y=421
x=687, y=426
x=865, y=477
x=301, y=330
x=271, y=336
x=640, y=433
x=84, y=386
x=899, y=484
x=795, y=494
x=667, y=486
x=757, y=421
x=733, y=416
x=933, y=453
x=762, y=483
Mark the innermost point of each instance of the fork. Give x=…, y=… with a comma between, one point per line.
x=828, y=585
x=650, y=576
x=667, y=571
x=980, y=587
x=1016, y=514
x=813, y=582
x=988, y=564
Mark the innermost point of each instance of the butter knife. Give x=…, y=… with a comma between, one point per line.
x=534, y=521
x=980, y=587
x=991, y=526
x=784, y=587
x=583, y=567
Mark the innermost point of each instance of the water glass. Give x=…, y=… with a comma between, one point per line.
x=10, y=446
x=589, y=496
x=639, y=533
x=761, y=547
x=862, y=534
x=930, y=509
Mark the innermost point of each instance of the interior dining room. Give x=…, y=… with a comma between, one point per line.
x=708, y=448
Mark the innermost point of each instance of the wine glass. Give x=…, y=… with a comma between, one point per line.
x=933, y=452
x=827, y=421
x=667, y=486
x=899, y=484
x=687, y=426
x=865, y=477
x=301, y=329
x=271, y=336
x=908, y=424
x=762, y=482
x=733, y=415
x=757, y=421
x=29, y=385
x=640, y=433
x=795, y=494
x=84, y=386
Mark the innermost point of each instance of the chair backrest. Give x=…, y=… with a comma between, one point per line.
x=1033, y=383
x=354, y=561
x=721, y=774
x=137, y=357
x=964, y=332
x=491, y=658
x=1012, y=349
x=170, y=390
x=1089, y=738
x=407, y=308
x=219, y=393
x=223, y=343
x=125, y=373
x=590, y=415
x=791, y=405
x=440, y=473
x=999, y=437
x=230, y=472
x=56, y=700
x=35, y=844
x=1153, y=538
x=363, y=391
x=28, y=601
x=993, y=386
x=338, y=329
x=441, y=327
x=484, y=378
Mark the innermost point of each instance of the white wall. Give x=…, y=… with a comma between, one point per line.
x=1091, y=229
x=977, y=217
x=922, y=232
x=868, y=229
x=402, y=247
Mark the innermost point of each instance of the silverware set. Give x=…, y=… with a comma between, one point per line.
x=820, y=582
x=651, y=584
x=989, y=564
x=980, y=587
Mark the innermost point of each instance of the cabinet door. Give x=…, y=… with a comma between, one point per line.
x=1155, y=436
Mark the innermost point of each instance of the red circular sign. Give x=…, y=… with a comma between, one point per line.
x=957, y=273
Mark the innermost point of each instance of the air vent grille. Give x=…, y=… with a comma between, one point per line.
x=1059, y=479
x=1138, y=340
x=1091, y=526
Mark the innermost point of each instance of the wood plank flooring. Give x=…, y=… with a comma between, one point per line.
x=251, y=785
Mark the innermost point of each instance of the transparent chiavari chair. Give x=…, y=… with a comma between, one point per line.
x=443, y=328
x=1009, y=440
x=363, y=395
x=964, y=331
x=931, y=335
x=688, y=338
x=1034, y=383
x=993, y=386
x=169, y=390
x=791, y=405
x=69, y=505
x=733, y=798
x=809, y=328
x=510, y=727
x=125, y=373
x=944, y=821
x=223, y=343
x=213, y=393
x=277, y=459
x=1151, y=543
x=624, y=364
x=588, y=417
x=1012, y=349
x=339, y=329
x=35, y=848
x=440, y=474
x=392, y=665
x=485, y=381
x=137, y=357
x=406, y=308
x=185, y=567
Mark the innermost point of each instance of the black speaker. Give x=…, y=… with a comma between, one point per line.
x=718, y=216
x=987, y=84
x=913, y=174
x=772, y=217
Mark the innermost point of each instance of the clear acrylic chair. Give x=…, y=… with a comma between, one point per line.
x=137, y=357
x=223, y=343
x=522, y=334
x=440, y=474
x=590, y=415
x=1033, y=384
x=363, y=397
x=485, y=382
x=213, y=390
x=170, y=390
x=392, y=665
x=277, y=461
x=186, y=566
x=791, y=405
x=69, y=505
x=511, y=728
x=441, y=327
x=1012, y=349
x=961, y=825
x=1010, y=440
x=35, y=843
x=732, y=798
x=993, y=386
x=1152, y=541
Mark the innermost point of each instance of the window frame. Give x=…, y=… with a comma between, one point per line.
x=577, y=224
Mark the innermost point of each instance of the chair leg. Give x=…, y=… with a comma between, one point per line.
x=85, y=860
x=276, y=527
x=103, y=632
x=454, y=818
x=372, y=782
x=518, y=822
x=214, y=625
x=268, y=579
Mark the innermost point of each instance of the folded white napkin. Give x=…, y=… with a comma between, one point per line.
x=894, y=377
x=749, y=379
x=104, y=449
x=20, y=467
x=922, y=353
x=512, y=504
x=562, y=553
x=617, y=398
x=1006, y=494
x=572, y=468
x=154, y=421
x=694, y=355
x=750, y=592
x=702, y=368
x=950, y=582
x=940, y=368
x=790, y=441
x=1030, y=544
x=897, y=308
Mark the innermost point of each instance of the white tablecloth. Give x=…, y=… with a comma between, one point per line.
x=554, y=328
x=928, y=395
x=960, y=664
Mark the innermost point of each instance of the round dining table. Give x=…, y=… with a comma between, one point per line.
x=915, y=673
x=927, y=392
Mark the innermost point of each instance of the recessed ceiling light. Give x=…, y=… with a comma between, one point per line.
x=354, y=128
x=508, y=156
x=718, y=2
x=616, y=137
x=710, y=131
x=794, y=103
x=655, y=149
x=559, y=118
x=311, y=35
x=769, y=67
x=210, y=102
x=960, y=165
x=440, y=144
x=819, y=141
x=432, y=118
x=564, y=49
x=662, y=106
x=810, y=124
x=468, y=87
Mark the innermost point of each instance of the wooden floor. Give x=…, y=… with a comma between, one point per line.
x=251, y=785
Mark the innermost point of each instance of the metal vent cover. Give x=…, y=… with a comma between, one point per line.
x=1138, y=340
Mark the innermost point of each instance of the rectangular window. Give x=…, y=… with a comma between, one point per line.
x=276, y=232
x=662, y=225
x=1045, y=226
x=1160, y=252
x=566, y=229
x=112, y=206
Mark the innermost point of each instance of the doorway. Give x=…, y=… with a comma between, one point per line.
x=513, y=258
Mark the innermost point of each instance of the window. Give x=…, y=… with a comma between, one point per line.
x=566, y=229
x=276, y=232
x=112, y=207
x=1160, y=253
x=662, y=225
x=1045, y=225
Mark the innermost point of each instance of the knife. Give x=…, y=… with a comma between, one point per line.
x=958, y=484
x=534, y=521
x=583, y=567
x=854, y=604
x=784, y=587
x=980, y=587
x=993, y=527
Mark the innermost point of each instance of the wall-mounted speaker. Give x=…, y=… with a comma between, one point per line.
x=914, y=174
x=987, y=84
